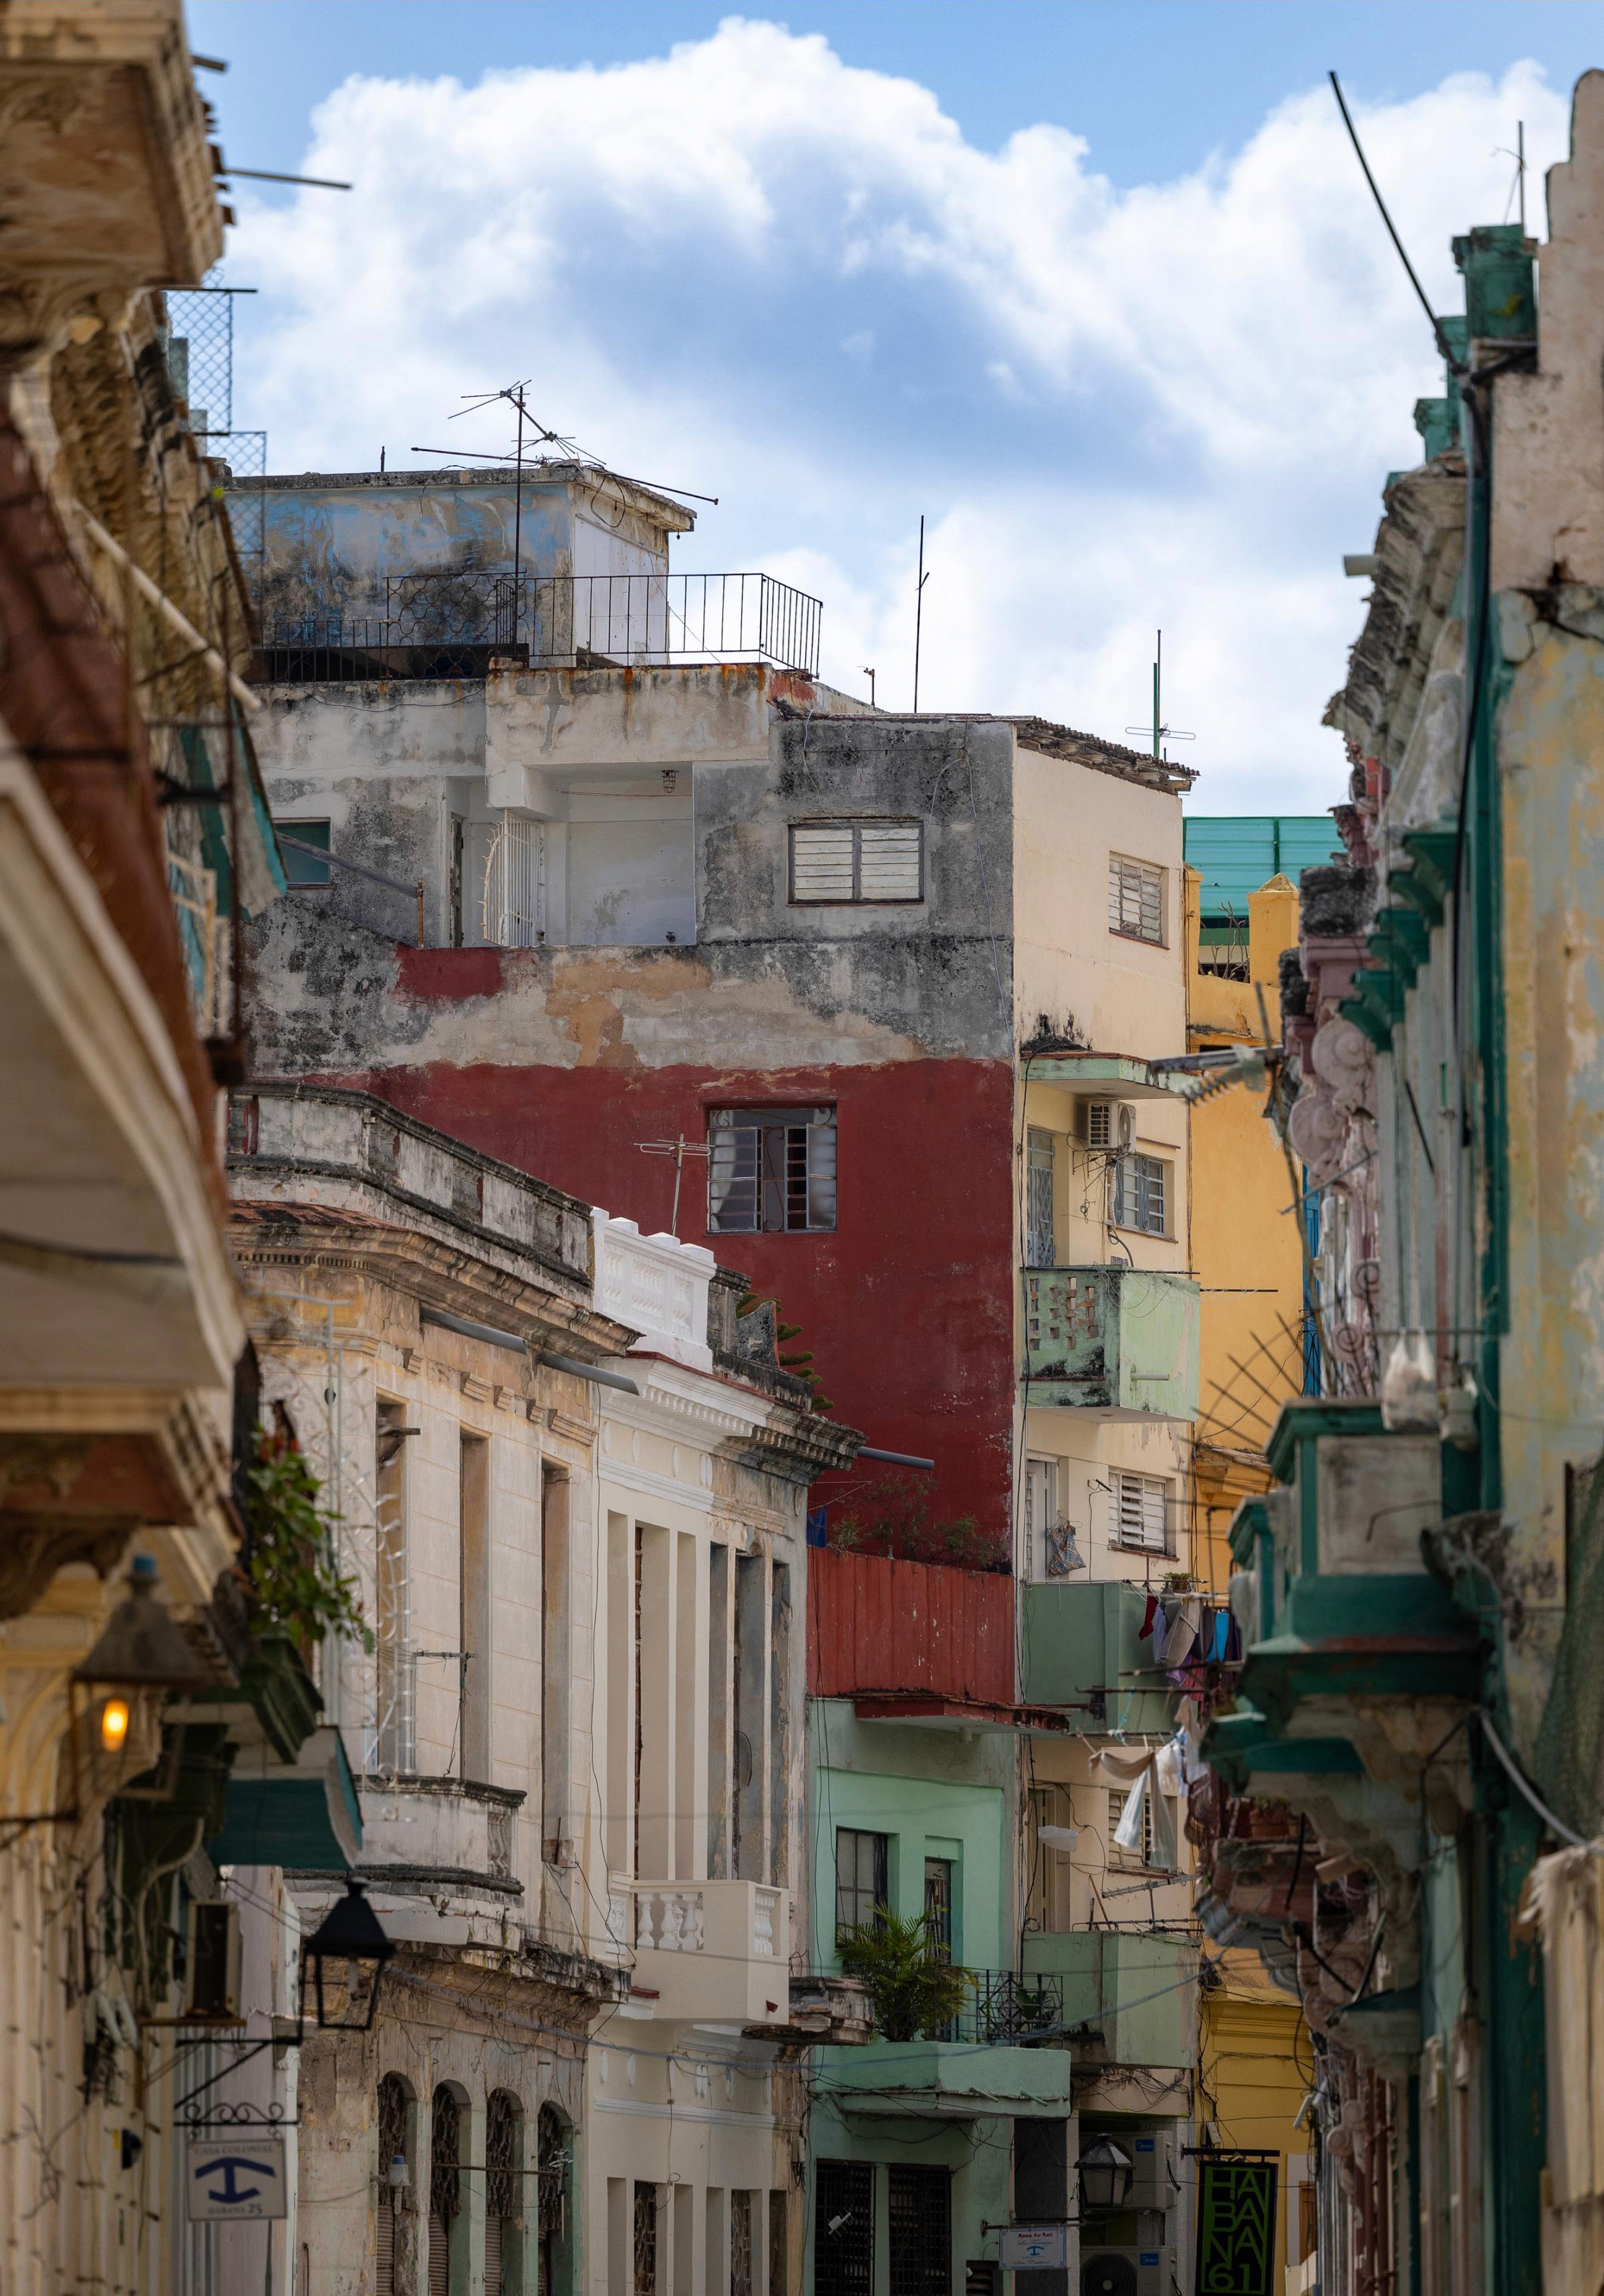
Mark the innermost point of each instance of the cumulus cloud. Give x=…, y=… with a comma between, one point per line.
x=748, y=267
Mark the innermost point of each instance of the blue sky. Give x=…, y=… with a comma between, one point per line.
x=1098, y=290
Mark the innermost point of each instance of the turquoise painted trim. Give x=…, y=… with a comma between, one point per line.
x=278, y=1822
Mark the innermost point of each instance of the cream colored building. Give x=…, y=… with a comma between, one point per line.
x=570, y=1485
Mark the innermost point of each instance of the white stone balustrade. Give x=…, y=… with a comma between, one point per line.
x=657, y=1284
x=709, y=1949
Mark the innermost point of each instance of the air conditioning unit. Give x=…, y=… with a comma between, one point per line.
x=1108, y=1127
x=1127, y=2272
x=1153, y=2182
x=212, y=1973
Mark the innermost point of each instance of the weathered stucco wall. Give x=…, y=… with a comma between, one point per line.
x=1551, y=740
x=1120, y=995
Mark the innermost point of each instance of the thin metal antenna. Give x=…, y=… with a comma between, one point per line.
x=1160, y=732
x=1455, y=366
x=868, y=674
x=919, y=615
x=1520, y=169
x=679, y=1150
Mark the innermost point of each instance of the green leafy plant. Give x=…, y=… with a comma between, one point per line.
x=917, y=1990
x=289, y=1559
x=800, y=1366
x=896, y=1516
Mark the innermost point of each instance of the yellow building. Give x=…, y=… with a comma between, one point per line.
x=1255, y=2056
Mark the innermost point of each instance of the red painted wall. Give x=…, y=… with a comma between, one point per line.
x=907, y=1307
x=874, y=1625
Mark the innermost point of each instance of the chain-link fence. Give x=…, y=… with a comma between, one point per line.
x=200, y=355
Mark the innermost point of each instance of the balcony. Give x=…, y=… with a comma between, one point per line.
x=714, y=1951
x=915, y=1643
x=1080, y=1649
x=1118, y=1341
x=984, y=2065
x=1095, y=1971
x=452, y=626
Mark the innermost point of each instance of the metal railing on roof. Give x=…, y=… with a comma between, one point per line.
x=453, y=625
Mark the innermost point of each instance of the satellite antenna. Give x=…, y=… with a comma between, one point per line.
x=1159, y=730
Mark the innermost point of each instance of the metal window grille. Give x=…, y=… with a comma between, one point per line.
x=1040, y=1244
x=444, y=2187
x=771, y=1170
x=502, y=2133
x=843, y=2228
x=857, y=861
x=392, y=2145
x=776, y=2242
x=392, y=1739
x=741, y=2244
x=1141, y=1194
x=1139, y=1509
x=862, y=1888
x=1136, y=899
x=920, y=2226
x=645, y=2239
x=515, y=882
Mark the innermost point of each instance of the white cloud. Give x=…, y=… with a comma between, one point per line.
x=747, y=268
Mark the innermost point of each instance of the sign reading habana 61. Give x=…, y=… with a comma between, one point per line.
x=1236, y=2227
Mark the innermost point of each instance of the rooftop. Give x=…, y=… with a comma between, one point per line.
x=1050, y=741
x=662, y=509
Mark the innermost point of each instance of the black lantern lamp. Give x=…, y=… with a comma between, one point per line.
x=141, y=1648
x=1105, y=2175
x=350, y=1945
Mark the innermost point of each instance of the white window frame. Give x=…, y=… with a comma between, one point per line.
x=1157, y=1172
x=1139, y=1512
x=1136, y=899
x=779, y=1160
x=849, y=836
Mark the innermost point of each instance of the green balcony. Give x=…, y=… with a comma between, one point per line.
x=1133, y=1993
x=1118, y=1341
x=949, y=2081
x=1081, y=1648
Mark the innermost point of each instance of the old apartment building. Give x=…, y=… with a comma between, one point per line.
x=674, y=888
x=570, y=1485
x=882, y=998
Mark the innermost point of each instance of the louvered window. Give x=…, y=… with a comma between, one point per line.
x=1139, y=1512
x=845, y=861
x=503, y=2131
x=1141, y=1194
x=1039, y=1241
x=444, y=2188
x=392, y=2148
x=771, y=1169
x=1136, y=899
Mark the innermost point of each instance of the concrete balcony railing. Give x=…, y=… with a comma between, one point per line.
x=658, y=1285
x=1080, y=1649
x=707, y=1950
x=1121, y=1342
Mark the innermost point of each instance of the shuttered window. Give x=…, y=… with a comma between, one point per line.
x=1139, y=1512
x=771, y=1169
x=863, y=861
x=1141, y=1194
x=1136, y=899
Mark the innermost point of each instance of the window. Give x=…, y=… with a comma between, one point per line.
x=776, y=2242
x=1141, y=1194
x=741, y=2244
x=504, y=2201
x=444, y=2189
x=1142, y=1855
x=393, y=2101
x=919, y=2224
x=771, y=1170
x=838, y=861
x=1136, y=899
x=645, y=2239
x=1139, y=1512
x=843, y=2228
x=862, y=1867
x=302, y=867
x=1050, y=1863
x=1040, y=1244
x=938, y=1905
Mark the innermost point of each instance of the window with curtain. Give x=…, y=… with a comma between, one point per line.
x=862, y=1887
x=771, y=1170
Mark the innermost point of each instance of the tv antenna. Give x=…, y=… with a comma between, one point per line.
x=918, y=614
x=1159, y=730
x=1517, y=188
x=679, y=1150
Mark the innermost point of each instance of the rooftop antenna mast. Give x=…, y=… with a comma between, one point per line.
x=918, y=614
x=1160, y=732
x=679, y=1149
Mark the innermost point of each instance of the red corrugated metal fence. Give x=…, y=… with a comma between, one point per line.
x=879, y=1625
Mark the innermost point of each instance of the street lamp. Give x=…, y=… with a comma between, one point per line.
x=350, y=1933
x=1105, y=2175
x=141, y=1648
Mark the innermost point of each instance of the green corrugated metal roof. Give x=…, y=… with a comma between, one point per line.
x=1237, y=853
